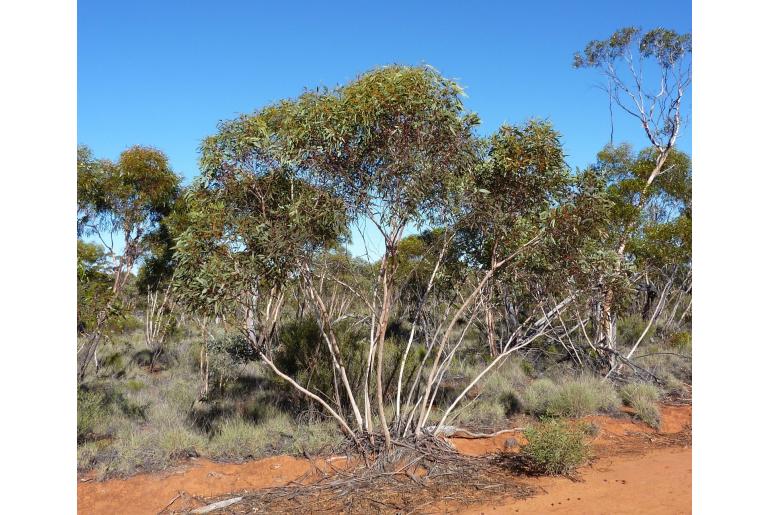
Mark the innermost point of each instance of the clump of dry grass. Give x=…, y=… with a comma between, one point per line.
x=643, y=398
x=239, y=439
x=571, y=398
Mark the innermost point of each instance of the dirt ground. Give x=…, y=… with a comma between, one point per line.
x=656, y=482
x=636, y=470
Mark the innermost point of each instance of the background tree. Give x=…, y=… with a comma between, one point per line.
x=127, y=199
x=657, y=257
x=94, y=284
x=647, y=74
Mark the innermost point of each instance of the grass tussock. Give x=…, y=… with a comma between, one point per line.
x=317, y=437
x=643, y=398
x=577, y=397
x=555, y=447
x=497, y=398
x=239, y=439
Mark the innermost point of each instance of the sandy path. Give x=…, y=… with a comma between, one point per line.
x=658, y=482
x=144, y=494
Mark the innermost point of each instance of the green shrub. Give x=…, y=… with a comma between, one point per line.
x=482, y=411
x=181, y=394
x=302, y=347
x=87, y=454
x=135, y=448
x=153, y=447
x=681, y=342
x=643, y=398
x=676, y=386
x=629, y=329
x=527, y=368
x=304, y=355
x=177, y=441
x=555, y=448
x=114, y=363
x=507, y=378
x=664, y=364
x=134, y=385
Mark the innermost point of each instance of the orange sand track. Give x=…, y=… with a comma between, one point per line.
x=625, y=478
x=657, y=482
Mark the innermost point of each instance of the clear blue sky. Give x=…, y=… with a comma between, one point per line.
x=163, y=73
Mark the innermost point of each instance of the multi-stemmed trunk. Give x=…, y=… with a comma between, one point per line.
x=606, y=307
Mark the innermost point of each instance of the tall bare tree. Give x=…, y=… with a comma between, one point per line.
x=647, y=76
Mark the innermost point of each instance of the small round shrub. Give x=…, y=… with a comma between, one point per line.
x=554, y=447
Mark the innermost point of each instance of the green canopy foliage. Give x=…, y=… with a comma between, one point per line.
x=129, y=196
x=249, y=227
x=663, y=224
x=393, y=144
x=665, y=46
x=94, y=283
x=520, y=177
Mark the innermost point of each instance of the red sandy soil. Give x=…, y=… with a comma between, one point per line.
x=628, y=477
x=150, y=493
x=656, y=482
x=632, y=473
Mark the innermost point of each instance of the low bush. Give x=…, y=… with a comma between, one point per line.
x=629, y=328
x=555, y=447
x=676, y=387
x=643, y=398
x=481, y=412
x=681, y=342
x=150, y=448
x=666, y=363
x=584, y=396
x=87, y=454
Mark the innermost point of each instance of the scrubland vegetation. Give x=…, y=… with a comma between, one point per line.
x=231, y=321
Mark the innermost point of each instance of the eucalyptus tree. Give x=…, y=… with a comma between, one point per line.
x=658, y=233
x=648, y=75
x=397, y=148
x=126, y=199
x=395, y=145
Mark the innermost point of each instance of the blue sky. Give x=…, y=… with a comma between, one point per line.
x=163, y=73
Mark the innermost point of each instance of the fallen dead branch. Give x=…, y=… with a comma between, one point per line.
x=415, y=474
x=456, y=432
x=172, y=501
x=217, y=505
